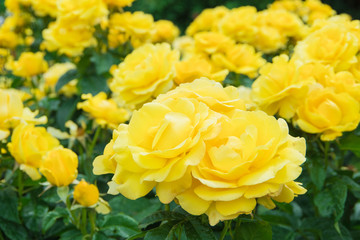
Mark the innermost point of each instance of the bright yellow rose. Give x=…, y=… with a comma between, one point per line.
x=355, y=69
x=165, y=138
x=68, y=39
x=53, y=74
x=165, y=31
x=241, y=58
x=251, y=160
x=119, y=3
x=59, y=166
x=279, y=89
x=329, y=113
x=316, y=10
x=269, y=39
x=136, y=26
x=86, y=194
x=144, y=74
x=196, y=67
x=28, y=145
x=211, y=42
x=289, y=5
x=44, y=7
x=331, y=45
x=239, y=24
x=186, y=46
x=207, y=20
x=29, y=64
x=8, y=36
x=81, y=11
x=105, y=111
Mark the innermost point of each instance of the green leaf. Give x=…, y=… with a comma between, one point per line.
x=103, y=62
x=159, y=217
x=351, y=143
x=119, y=225
x=317, y=174
x=324, y=228
x=259, y=230
x=195, y=230
x=66, y=111
x=63, y=193
x=64, y=79
x=13, y=231
x=161, y=232
x=93, y=84
x=50, y=219
x=33, y=214
x=332, y=200
x=9, y=205
x=71, y=234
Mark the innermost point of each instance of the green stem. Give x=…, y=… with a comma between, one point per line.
x=92, y=218
x=326, y=152
x=92, y=145
x=20, y=188
x=83, y=221
x=226, y=228
x=167, y=207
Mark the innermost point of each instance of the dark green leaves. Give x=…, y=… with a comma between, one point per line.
x=119, y=225
x=66, y=78
x=258, y=230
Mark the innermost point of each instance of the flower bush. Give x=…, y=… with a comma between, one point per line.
x=116, y=124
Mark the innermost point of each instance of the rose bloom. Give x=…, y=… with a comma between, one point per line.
x=105, y=111
x=119, y=3
x=316, y=10
x=239, y=24
x=329, y=113
x=207, y=20
x=86, y=194
x=52, y=75
x=82, y=11
x=59, y=166
x=144, y=74
x=279, y=89
x=165, y=31
x=68, y=39
x=29, y=64
x=198, y=66
x=211, y=42
x=240, y=58
x=331, y=45
x=164, y=138
x=44, y=7
x=28, y=145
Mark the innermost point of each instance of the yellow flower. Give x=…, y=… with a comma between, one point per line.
x=53, y=74
x=316, y=10
x=164, y=138
x=86, y=194
x=29, y=64
x=251, y=160
x=28, y=145
x=331, y=45
x=165, y=31
x=8, y=36
x=145, y=73
x=207, y=20
x=329, y=113
x=211, y=42
x=195, y=67
x=105, y=111
x=241, y=58
x=279, y=89
x=68, y=39
x=137, y=27
x=44, y=7
x=59, y=166
x=239, y=24
x=185, y=45
x=82, y=11
x=119, y=3
x=289, y=5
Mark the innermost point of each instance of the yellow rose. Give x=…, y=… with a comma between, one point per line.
x=8, y=37
x=241, y=58
x=329, y=113
x=105, y=111
x=195, y=67
x=28, y=145
x=279, y=89
x=239, y=24
x=68, y=39
x=165, y=31
x=252, y=159
x=355, y=69
x=145, y=73
x=44, y=7
x=137, y=27
x=119, y=3
x=29, y=64
x=211, y=42
x=289, y=5
x=70, y=89
x=53, y=74
x=59, y=166
x=316, y=10
x=331, y=45
x=207, y=20
x=82, y=11
x=86, y=194
x=185, y=45
x=164, y=138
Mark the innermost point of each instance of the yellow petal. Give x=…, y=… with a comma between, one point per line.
x=32, y=172
x=241, y=205
x=191, y=203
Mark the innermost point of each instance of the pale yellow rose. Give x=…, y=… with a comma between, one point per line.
x=86, y=194
x=68, y=39
x=59, y=166
x=165, y=31
x=331, y=45
x=105, y=111
x=279, y=89
x=207, y=20
x=44, y=7
x=239, y=24
x=29, y=64
x=212, y=42
x=28, y=145
x=269, y=40
x=251, y=160
x=198, y=66
x=144, y=74
x=240, y=58
x=328, y=113
x=81, y=11
x=119, y=3
x=52, y=75
x=186, y=46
